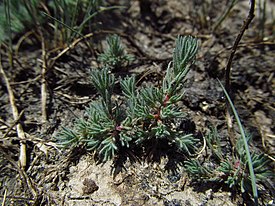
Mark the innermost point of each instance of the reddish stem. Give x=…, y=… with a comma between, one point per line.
x=166, y=99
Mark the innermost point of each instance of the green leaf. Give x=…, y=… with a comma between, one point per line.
x=104, y=83
x=170, y=112
x=151, y=96
x=128, y=86
x=108, y=148
x=92, y=144
x=125, y=139
x=186, y=143
x=184, y=53
x=225, y=167
x=196, y=170
x=213, y=142
x=67, y=138
x=161, y=130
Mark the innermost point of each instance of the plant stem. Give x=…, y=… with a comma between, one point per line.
x=236, y=43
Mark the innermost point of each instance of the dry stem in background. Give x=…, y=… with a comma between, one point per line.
x=229, y=64
x=19, y=128
x=43, y=80
x=236, y=43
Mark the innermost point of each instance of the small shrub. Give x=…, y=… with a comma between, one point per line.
x=147, y=113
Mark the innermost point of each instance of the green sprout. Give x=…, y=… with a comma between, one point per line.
x=146, y=113
x=195, y=169
x=115, y=56
x=213, y=142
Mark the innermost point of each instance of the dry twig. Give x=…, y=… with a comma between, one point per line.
x=19, y=128
x=21, y=172
x=13, y=124
x=229, y=65
x=4, y=198
x=71, y=46
x=43, y=80
x=236, y=43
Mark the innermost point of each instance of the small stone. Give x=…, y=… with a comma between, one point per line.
x=89, y=186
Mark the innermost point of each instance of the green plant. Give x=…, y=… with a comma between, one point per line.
x=72, y=17
x=198, y=171
x=245, y=146
x=114, y=56
x=213, y=142
x=146, y=114
x=15, y=17
x=234, y=171
x=242, y=171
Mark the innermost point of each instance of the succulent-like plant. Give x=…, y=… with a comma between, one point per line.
x=147, y=113
x=115, y=56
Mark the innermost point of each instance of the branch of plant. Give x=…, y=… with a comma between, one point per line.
x=202, y=149
x=5, y=197
x=43, y=79
x=224, y=15
x=21, y=40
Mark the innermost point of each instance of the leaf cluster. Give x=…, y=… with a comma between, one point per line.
x=114, y=56
x=146, y=113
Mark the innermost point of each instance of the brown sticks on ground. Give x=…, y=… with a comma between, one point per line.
x=19, y=128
